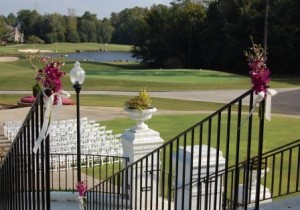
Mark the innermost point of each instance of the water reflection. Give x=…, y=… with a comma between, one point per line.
x=98, y=56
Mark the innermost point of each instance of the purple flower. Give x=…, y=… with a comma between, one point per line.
x=259, y=73
x=81, y=188
x=50, y=76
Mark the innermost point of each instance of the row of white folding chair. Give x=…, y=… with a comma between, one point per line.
x=11, y=128
x=64, y=161
x=91, y=141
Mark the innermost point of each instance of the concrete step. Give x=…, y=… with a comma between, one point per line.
x=59, y=205
x=4, y=145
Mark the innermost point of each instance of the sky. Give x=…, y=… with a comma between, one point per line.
x=103, y=8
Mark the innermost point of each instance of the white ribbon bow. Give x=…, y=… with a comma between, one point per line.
x=268, y=95
x=50, y=113
x=260, y=96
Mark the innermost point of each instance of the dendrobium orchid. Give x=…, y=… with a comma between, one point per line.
x=259, y=72
x=82, y=189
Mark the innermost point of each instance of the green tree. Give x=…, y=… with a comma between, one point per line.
x=11, y=19
x=87, y=27
x=28, y=20
x=71, y=27
x=104, y=31
x=128, y=24
x=284, y=33
x=172, y=36
x=151, y=47
x=3, y=29
x=54, y=28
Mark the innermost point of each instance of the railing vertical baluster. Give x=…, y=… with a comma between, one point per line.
x=289, y=171
x=206, y=202
x=163, y=176
x=33, y=137
x=217, y=160
x=183, y=171
x=176, y=173
x=140, y=177
x=37, y=160
x=152, y=181
x=10, y=192
x=227, y=150
x=47, y=166
x=298, y=170
x=26, y=193
x=29, y=191
x=273, y=174
x=22, y=172
x=260, y=149
x=237, y=156
x=158, y=177
x=265, y=178
x=249, y=140
x=169, y=188
x=146, y=183
x=199, y=185
x=16, y=175
x=191, y=167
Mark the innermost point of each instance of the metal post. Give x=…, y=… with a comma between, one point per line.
x=77, y=88
x=259, y=153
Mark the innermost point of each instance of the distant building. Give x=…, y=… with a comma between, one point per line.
x=15, y=34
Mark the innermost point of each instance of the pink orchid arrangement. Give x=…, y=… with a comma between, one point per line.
x=82, y=189
x=259, y=72
x=50, y=75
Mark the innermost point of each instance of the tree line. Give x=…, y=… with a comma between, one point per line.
x=185, y=34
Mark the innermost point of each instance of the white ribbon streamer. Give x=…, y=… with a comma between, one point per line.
x=270, y=93
x=50, y=113
x=259, y=98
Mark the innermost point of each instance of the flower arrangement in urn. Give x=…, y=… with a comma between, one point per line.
x=140, y=102
x=140, y=109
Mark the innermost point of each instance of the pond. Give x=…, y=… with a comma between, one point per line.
x=98, y=56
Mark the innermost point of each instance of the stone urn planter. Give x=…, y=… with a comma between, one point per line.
x=253, y=176
x=140, y=116
x=253, y=166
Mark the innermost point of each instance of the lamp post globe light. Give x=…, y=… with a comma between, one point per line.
x=77, y=76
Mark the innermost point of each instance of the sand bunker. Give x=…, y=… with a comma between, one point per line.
x=8, y=59
x=34, y=51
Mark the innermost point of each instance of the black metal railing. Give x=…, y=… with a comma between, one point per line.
x=24, y=181
x=94, y=168
x=280, y=175
x=164, y=178
x=283, y=164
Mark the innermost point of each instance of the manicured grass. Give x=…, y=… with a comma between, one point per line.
x=167, y=124
x=10, y=99
x=131, y=77
x=62, y=47
x=160, y=103
x=118, y=101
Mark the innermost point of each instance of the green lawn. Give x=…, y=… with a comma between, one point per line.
x=62, y=47
x=167, y=124
x=131, y=77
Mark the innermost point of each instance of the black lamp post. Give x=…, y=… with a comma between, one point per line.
x=77, y=76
